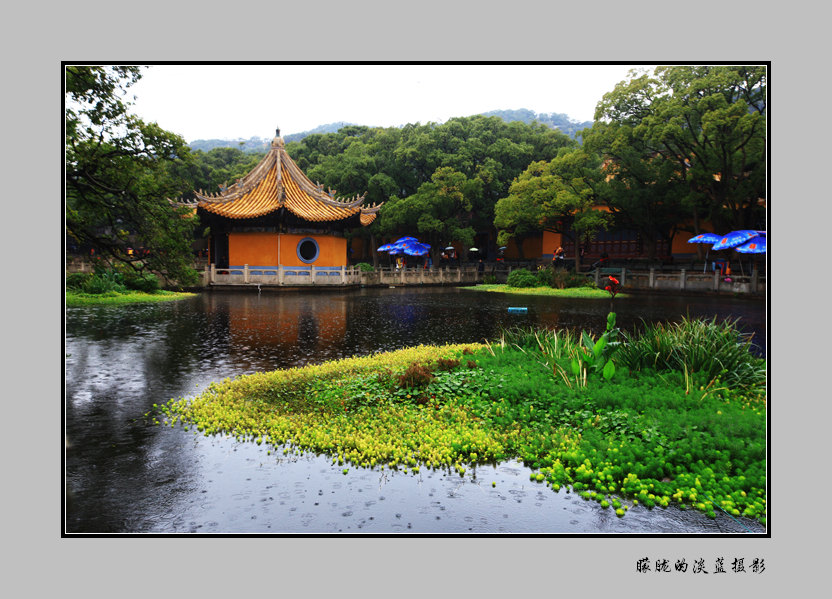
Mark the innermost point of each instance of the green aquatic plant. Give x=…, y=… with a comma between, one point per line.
x=595, y=355
x=642, y=437
x=705, y=348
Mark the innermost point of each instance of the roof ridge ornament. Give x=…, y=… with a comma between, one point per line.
x=277, y=142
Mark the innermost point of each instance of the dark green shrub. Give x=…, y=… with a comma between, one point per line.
x=147, y=283
x=564, y=279
x=364, y=267
x=522, y=278
x=489, y=279
x=104, y=281
x=545, y=276
x=76, y=280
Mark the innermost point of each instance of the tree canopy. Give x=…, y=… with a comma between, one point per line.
x=438, y=180
x=562, y=194
x=119, y=176
x=698, y=129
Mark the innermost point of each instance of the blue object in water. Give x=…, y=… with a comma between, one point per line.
x=518, y=309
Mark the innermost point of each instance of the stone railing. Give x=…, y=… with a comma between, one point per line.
x=303, y=276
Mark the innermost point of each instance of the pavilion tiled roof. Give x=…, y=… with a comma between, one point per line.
x=277, y=182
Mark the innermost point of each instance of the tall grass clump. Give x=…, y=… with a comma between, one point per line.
x=705, y=347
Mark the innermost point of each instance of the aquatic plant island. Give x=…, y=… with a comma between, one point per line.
x=673, y=415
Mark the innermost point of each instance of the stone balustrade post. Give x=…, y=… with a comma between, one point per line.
x=682, y=276
x=245, y=273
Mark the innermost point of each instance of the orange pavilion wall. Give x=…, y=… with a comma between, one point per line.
x=551, y=241
x=332, y=250
x=254, y=249
x=271, y=249
x=532, y=248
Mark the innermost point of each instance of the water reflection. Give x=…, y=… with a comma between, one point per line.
x=127, y=475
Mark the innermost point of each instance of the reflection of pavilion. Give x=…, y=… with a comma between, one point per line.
x=276, y=216
x=283, y=319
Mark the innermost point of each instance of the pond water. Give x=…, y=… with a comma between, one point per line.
x=124, y=475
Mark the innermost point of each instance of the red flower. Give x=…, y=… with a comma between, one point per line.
x=614, y=280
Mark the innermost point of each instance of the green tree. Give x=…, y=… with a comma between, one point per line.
x=393, y=164
x=118, y=177
x=440, y=211
x=709, y=124
x=645, y=193
x=564, y=194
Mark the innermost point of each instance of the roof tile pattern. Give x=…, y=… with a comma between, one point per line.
x=278, y=182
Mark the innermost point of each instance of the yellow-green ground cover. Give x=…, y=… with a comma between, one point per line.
x=78, y=298
x=657, y=438
x=573, y=292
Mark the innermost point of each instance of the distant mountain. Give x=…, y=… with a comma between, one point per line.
x=330, y=128
x=261, y=144
x=554, y=120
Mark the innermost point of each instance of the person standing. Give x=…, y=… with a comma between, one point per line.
x=559, y=257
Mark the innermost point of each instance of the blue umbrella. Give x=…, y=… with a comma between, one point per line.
x=734, y=238
x=416, y=249
x=705, y=238
x=404, y=239
x=755, y=245
x=386, y=247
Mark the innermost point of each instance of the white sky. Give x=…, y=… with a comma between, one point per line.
x=243, y=101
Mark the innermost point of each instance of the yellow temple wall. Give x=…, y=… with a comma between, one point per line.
x=254, y=249
x=551, y=241
x=533, y=247
x=271, y=249
x=332, y=250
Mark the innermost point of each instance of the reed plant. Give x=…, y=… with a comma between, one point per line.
x=710, y=349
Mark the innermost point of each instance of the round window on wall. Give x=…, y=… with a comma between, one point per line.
x=308, y=250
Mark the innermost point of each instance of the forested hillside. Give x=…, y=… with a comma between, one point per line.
x=553, y=120
x=261, y=144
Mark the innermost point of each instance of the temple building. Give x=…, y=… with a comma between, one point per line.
x=276, y=216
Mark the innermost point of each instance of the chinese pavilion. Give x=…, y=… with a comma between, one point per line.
x=276, y=216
